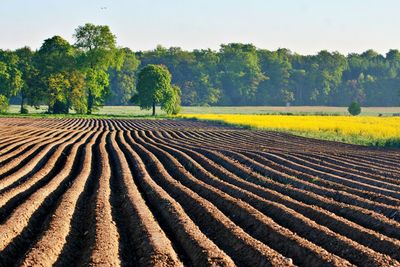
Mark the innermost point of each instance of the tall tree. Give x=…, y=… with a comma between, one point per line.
x=55, y=60
x=11, y=80
x=206, y=88
x=30, y=75
x=98, y=53
x=325, y=75
x=240, y=73
x=123, y=80
x=154, y=87
x=276, y=89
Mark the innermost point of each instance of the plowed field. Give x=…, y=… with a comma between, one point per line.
x=78, y=192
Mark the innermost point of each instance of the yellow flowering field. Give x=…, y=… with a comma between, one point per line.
x=362, y=130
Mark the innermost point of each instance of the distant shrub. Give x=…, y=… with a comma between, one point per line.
x=3, y=104
x=354, y=108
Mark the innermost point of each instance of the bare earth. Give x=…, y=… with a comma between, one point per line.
x=79, y=192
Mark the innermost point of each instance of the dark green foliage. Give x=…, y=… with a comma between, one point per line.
x=94, y=71
x=154, y=88
x=123, y=80
x=54, y=61
x=29, y=92
x=97, y=47
x=239, y=74
x=11, y=80
x=354, y=108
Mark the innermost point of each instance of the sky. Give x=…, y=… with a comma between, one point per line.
x=303, y=26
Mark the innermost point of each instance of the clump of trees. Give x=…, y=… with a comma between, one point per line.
x=241, y=74
x=11, y=80
x=94, y=71
x=63, y=76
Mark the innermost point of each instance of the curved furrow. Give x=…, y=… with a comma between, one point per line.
x=106, y=244
x=336, y=168
x=32, y=217
x=26, y=152
x=368, y=178
x=304, y=193
x=244, y=215
x=8, y=150
x=327, y=180
x=48, y=247
x=366, y=164
x=10, y=136
x=346, y=168
x=308, y=144
x=212, y=188
x=71, y=124
x=300, y=180
x=243, y=249
x=13, y=195
x=337, y=224
x=20, y=166
x=197, y=246
x=311, y=180
x=354, y=182
x=390, y=158
x=351, y=163
x=357, y=182
x=85, y=192
x=377, y=161
x=373, y=182
x=385, y=204
x=137, y=227
x=78, y=247
x=17, y=182
x=304, y=180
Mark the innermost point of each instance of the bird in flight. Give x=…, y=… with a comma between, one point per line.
x=103, y=8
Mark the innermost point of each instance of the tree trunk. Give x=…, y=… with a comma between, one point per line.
x=90, y=103
x=154, y=108
x=22, y=105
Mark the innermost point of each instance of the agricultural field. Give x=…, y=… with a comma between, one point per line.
x=166, y=192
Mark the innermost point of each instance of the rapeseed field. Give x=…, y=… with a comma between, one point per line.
x=366, y=130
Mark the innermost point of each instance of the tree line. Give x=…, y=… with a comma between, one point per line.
x=94, y=71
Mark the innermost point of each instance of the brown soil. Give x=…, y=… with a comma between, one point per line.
x=102, y=192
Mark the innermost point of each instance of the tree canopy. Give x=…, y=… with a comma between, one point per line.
x=97, y=53
x=154, y=88
x=94, y=71
x=11, y=80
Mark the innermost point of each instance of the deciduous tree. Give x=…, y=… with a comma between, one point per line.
x=154, y=88
x=11, y=80
x=98, y=53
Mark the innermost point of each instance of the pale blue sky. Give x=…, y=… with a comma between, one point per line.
x=304, y=26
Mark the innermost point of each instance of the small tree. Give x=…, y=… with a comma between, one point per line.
x=354, y=108
x=154, y=88
x=172, y=100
